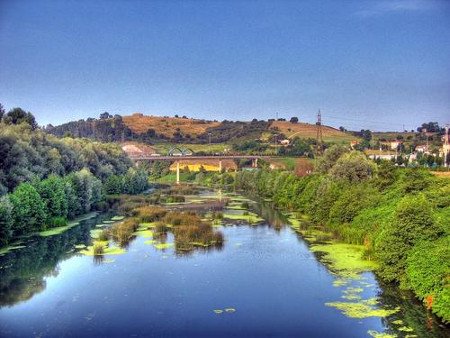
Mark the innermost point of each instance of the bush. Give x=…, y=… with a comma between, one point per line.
x=98, y=248
x=353, y=167
x=428, y=273
x=413, y=221
x=352, y=201
x=58, y=222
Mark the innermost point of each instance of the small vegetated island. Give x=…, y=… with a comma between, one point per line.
x=66, y=193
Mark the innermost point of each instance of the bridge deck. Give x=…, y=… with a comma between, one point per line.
x=194, y=157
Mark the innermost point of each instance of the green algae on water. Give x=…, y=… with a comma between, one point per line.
x=376, y=334
x=60, y=230
x=95, y=233
x=7, y=249
x=117, y=218
x=345, y=259
x=162, y=246
x=107, y=249
x=406, y=329
x=362, y=309
x=144, y=233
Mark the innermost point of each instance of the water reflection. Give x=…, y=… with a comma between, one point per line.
x=23, y=272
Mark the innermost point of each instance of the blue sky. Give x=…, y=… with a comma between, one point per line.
x=365, y=64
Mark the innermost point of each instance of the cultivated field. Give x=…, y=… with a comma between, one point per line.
x=167, y=126
x=306, y=130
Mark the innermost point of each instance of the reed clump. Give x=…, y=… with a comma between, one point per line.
x=122, y=232
x=150, y=213
x=98, y=248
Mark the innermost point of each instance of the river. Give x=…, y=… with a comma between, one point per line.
x=263, y=281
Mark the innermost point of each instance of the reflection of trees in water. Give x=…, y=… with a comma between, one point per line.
x=272, y=216
x=22, y=272
x=412, y=313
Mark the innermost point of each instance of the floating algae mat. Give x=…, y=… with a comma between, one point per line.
x=117, y=218
x=162, y=246
x=377, y=334
x=345, y=259
x=107, y=249
x=7, y=249
x=144, y=233
x=226, y=310
x=60, y=230
x=238, y=215
x=362, y=309
x=95, y=233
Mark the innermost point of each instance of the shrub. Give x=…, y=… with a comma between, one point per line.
x=413, y=221
x=353, y=167
x=98, y=248
x=58, y=222
x=352, y=201
x=428, y=274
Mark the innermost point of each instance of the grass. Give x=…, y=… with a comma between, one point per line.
x=167, y=126
x=306, y=130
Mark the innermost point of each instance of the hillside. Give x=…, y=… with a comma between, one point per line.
x=182, y=130
x=306, y=130
x=167, y=126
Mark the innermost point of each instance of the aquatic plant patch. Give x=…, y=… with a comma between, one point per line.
x=362, y=309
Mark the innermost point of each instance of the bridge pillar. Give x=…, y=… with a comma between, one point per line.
x=256, y=163
x=178, y=172
x=220, y=165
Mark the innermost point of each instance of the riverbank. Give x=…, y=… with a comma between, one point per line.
x=399, y=221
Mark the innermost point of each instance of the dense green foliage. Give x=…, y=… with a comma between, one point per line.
x=400, y=215
x=110, y=128
x=45, y=181
x=27, y=155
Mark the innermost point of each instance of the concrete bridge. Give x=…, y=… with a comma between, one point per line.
x=177, y=159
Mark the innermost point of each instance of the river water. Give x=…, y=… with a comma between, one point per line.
x=264, y=281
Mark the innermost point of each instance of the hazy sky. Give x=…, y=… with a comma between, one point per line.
x=365, y=64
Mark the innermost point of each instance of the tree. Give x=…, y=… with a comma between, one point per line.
x=2, y=111
x=294, y=119
x=329, y=158
x=18, y=115
x=413, y=221
x=6, y=220
x=28, y=209
x=52, y=192
x=353, y=167
x=431, y=127
x=105, y=116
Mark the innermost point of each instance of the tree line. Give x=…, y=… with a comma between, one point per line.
x=400, y=215
x=46, y=181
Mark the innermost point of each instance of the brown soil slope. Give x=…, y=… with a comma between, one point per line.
x=306, y=130
x=167, y=126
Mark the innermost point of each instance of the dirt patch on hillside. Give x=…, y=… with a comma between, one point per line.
x=306, y=130
x=167, y=126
